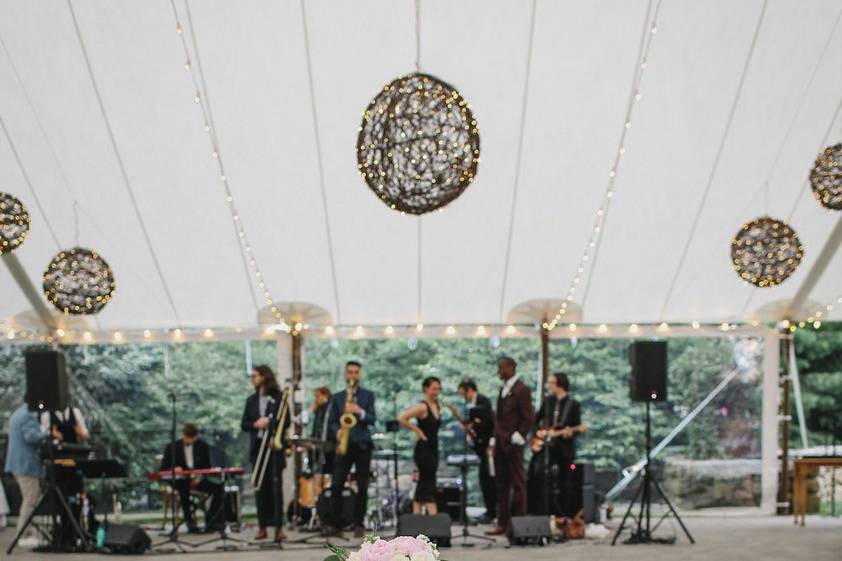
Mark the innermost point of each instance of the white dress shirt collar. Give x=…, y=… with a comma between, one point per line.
x=507, y=387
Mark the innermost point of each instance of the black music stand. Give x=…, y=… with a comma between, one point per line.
x=463, y=463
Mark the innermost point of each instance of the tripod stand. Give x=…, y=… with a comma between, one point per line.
x=644, y=530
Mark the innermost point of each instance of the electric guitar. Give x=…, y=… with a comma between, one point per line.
x=466, y=426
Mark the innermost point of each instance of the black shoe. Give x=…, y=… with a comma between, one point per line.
x=193, y=529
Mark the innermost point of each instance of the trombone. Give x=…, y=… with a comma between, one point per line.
x=272, y=440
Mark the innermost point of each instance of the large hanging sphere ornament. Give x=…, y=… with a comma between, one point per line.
x=766, y=251
x=78, y=281
x=826, y=177
x=418, y=147
x=14, y=223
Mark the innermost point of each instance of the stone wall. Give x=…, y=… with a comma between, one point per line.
x=696, y=484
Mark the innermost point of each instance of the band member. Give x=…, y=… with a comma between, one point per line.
x=191, y=452
x=479, y=426
x=23, y=460
x=259, y=411
x=427, y=415
x=559, y=421
x=360, y=404
x=67, y=426
x=512, y=424
x=321, y=460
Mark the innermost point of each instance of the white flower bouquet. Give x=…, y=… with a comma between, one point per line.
x=402, y=548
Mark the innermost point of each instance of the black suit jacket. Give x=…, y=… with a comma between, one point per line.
x=251, y=413
x=361, y=433
x=481, y=418
x=174, y=455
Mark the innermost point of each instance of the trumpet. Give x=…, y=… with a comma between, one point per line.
x=272, y=439
x=347, y=421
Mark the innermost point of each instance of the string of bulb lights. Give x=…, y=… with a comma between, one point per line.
x=200, y=100
x=642, y=63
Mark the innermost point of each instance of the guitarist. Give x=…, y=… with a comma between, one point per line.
x=559, y=422
x=479, y=428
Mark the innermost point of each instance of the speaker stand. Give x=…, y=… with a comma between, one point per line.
x=643, y=532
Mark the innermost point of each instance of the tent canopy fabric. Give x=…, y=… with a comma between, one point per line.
x=336, y=245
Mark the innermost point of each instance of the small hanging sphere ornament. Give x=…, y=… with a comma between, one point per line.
x=418, y=146
x=14, y=223
x=826, y=177
x=766, y=251
x=78, y=281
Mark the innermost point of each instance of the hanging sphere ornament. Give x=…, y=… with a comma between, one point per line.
x=78, y=281
x=418, y=146
x=14, y=223
x=826, y=177
x=766, y=251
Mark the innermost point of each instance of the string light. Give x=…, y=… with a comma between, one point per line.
x=360, y=331
x=419, y=327
x=208, y=333
x=602, y=328
x=511, y=330
x=664, y=326
x=450, y=331
x=60, y=332
x=602, y=211
x=695, y=325
x=389, y=331
x=87, y=336
x=216, y=154
x=633, y=328
x=481, y=331
x=177, y=333
x=330, y=331
x=147, y=334
x=118, y=337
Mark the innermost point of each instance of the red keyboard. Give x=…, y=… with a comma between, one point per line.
x=182, y=473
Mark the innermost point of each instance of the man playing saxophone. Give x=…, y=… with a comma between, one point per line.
x=351, y=415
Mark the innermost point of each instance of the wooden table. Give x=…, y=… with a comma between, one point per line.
x=799, y=485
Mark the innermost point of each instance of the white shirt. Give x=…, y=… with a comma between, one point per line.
x=188, y=456
x=507, y=387
x=62, y=415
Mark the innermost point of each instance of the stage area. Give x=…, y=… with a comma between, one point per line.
x=723, y=536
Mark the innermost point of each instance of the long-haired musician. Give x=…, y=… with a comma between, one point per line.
x=260, y=408
x=191, y=452
x=359, y=404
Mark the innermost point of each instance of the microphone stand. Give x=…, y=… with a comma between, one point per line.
x=173, y=535
x=463, y=496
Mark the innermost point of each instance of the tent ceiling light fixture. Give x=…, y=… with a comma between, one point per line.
x=14, y=223
x=826, y=177
x=418, y=144
x=766, y=251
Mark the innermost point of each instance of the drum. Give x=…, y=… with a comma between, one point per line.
x=309, y=489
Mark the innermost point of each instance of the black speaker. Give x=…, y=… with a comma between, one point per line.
x=323, y=505
x=46, y=380
x=579, y=492
x=435, y=527
x=529, y=530
x=648, y=360
x=449, y=497
x=126, y=539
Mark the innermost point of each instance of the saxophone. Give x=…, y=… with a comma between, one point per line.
x=347, y=421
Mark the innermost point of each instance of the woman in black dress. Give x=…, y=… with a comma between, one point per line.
x=427, y=415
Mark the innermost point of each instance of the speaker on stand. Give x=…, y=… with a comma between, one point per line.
x=648, y=383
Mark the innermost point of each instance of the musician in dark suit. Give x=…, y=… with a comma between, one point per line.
x=480, y=429
x=558, y=422
x=512, y=424
x=361, y=406
x=261, y=408
x=191, y=452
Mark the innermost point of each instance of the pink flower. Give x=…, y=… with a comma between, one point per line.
x=407, y=545
x=377, y=551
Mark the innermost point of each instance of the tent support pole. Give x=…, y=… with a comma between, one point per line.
x=545, y=355
x=769, y=482
x=32, y=294
x=820, y=263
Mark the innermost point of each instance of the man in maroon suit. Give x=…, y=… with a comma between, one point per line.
x=514, y=419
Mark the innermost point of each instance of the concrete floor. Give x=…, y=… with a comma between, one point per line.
x=725, y=536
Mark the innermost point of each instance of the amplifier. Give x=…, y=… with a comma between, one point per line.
x=449, y=497
x=529, y=530
x=435, y=527
x=126, y=539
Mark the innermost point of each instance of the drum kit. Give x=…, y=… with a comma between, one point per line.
x=313, y=494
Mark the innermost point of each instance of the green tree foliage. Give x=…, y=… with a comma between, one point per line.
x=819, y=356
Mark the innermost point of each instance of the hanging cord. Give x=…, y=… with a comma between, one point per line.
x=418, y=35
x=715, y=167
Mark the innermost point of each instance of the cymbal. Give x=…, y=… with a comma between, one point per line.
x=306, y=442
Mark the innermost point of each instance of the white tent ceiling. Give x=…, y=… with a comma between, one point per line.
x=254, y=60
